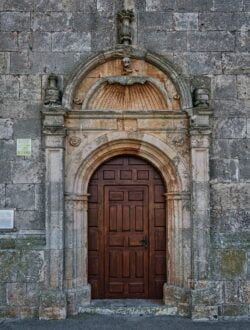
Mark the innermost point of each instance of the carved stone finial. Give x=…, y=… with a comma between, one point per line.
x=126, y=63
x=125, y=30
x=52, y=93
x=201, y=98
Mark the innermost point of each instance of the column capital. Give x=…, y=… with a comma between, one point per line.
x=175, y=195
x=76, y=197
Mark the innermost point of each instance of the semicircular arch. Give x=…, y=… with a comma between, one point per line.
x=159, y=154
x=84, y=67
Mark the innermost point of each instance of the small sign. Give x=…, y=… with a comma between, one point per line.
x=23, y=147
x=6, y=219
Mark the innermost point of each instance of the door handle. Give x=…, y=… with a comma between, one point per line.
x=144, y=241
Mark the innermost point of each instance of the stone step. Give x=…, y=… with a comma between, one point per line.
x=128, y=307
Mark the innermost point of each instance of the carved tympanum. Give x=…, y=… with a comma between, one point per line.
x=126, y=83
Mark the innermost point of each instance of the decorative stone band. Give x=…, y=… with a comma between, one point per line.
x=177, y=195
x=77, y=198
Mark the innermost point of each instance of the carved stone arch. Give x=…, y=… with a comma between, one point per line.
x=161, y=155
x=82, y=69
x=177, y=182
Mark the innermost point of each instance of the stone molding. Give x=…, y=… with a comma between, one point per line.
x=187, y=184
x=120, y=51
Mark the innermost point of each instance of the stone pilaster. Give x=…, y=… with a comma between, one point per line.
x=200, y=201
x=53, y=300
x=77, y=288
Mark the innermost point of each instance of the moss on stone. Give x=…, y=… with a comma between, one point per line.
x=9, y=243
x=232, y=262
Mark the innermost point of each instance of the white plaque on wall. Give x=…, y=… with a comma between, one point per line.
x=6, y=219
x=23, y=147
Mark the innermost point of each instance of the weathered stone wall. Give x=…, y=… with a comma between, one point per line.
x=209, y=40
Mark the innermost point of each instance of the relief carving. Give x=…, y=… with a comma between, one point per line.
x=52, y=92
x=125, y=30
x=201, y=98
x=126, y=63
x=75, y=141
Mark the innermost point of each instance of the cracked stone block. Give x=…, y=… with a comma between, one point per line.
x=71, y=41
x=5, y=173
x=30, y=87
x=160, y=5
x=52, y=21
x=54, y=5
x=17, y=5
x=244, y=171
x=186, y=21
x=230, y=196
x=37, y=41
x=4, y=63
x=27, y=128
x=163, y=21
x=15, y=21
x=236, y=63
x=2, y=195
x=230, y=128
x=9, y=87
x=20, y=196
x=8, y=41
x=234, y=310
x=203, y=63
x=219, y=21
x=29, y=220
x=228, y=5
x=243, y=83
x=243, y=41
x=167, y=41
x=25, y=171
x=105, y=5
x=233, y=263
x=89, y=6
x=224, y=87
x=211, y=41
x=224, y=170
x=2, y=294
x=6, y=129
x=229, y=108
x=194, y=5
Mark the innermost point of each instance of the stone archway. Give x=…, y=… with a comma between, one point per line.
x=178, y=198
x=174, y=140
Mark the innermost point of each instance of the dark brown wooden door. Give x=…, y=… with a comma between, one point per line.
x=127, y=230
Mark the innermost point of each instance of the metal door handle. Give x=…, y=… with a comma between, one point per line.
x=145, y=242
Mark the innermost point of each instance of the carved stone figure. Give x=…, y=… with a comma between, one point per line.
x=52, y=93
x=125, y=30
x=201, y=98
x=126, y=62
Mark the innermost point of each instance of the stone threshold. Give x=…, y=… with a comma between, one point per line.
x=128, y=307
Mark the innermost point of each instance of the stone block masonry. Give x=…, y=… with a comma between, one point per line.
x=209, y=42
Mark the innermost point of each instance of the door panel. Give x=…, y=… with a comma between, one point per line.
x=127, y=230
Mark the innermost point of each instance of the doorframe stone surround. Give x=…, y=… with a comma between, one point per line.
x=66, y=200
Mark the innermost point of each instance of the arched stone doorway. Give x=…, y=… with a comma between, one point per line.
x=127, y=230
x=162, y=128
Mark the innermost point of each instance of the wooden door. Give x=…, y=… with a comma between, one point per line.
x=127, y=230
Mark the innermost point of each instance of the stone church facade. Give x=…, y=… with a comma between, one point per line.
x=124, y=143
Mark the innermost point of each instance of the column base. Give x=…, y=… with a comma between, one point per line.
x=178, y=297
x=53, y=305
x=77, y=298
